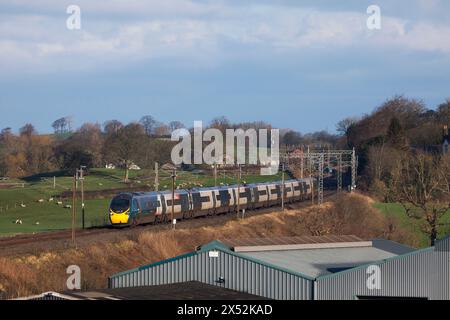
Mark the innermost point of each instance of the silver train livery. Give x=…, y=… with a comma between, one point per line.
x=156, y=207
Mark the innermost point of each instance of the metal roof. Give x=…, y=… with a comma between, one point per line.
x=328, y=257
x=248, y=244
x=319, y=262
x=316, y=256
x=191, y=290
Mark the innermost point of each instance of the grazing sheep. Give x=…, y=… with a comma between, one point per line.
x=59, y=202
x=23, y=205
x=50, y=200
x=68, y=206
x=40, y=200
x=18, y=221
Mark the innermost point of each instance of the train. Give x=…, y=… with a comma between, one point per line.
x=133, y=208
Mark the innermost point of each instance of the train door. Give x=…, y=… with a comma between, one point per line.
x=196, y=203
x=224, y=196
x=255, y=196
x=162, y=208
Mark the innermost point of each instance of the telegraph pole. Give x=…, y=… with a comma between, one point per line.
x=282, y=187
x=156, y=176
x=353, y=186
x=81, y=177
x=174, y=175
x=239, y=192
x=74, y=193
x=215, y=174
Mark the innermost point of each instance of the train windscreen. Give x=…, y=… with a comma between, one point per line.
x=120, y=204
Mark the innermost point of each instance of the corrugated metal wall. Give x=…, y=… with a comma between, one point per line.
x=239, y=274
x=423, y=274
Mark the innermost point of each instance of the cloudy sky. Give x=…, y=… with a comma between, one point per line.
x=297, y=64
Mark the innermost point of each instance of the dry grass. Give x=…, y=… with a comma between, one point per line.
x=350, y=214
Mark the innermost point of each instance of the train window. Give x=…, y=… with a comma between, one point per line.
x=175, y=203
x=120, y=204
x=288, y=189
x=158, y=204
x=205, y=199
x=262, y=192
x=218, y=197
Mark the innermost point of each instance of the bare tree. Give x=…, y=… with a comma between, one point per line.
x=343, y=125
x=422, y=187
x=149, y=123
x=112, y=127
x=174, y=125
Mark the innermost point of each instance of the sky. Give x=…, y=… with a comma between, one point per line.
x=297, y=64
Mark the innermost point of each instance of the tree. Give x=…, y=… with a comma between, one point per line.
x=84, y=147
x=221, y=123
x=112, y=127
x=62, y=125
x=396, y=134
x=27, y=130
x=344, y=125
x=422, y=183
x=161, y=130
x=149, y=123
x=443, y=113
x=127, y=146
x=292, y=138
x=174, y=125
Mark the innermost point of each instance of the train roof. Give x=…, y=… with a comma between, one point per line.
x=182, y=191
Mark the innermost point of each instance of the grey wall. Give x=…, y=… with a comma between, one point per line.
x=422, y=274
x=239, y=273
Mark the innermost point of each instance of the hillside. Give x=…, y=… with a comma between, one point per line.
x=29, y=274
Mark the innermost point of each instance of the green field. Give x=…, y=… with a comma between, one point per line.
x=22, y=203
x=396, y=210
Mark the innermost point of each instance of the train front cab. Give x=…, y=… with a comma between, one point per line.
x=120, y=209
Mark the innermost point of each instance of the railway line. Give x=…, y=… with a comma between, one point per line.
x=54, y=240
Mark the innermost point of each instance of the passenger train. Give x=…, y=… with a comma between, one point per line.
x=156, y=207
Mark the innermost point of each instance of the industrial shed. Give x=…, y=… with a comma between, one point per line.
x=420, y=274
x=305, y=268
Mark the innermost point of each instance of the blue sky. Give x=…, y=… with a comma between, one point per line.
x=297, y=64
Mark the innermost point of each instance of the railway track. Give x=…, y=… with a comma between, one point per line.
x=26, y=242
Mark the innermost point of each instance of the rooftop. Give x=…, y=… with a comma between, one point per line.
x=316, y=256
x=191, y=290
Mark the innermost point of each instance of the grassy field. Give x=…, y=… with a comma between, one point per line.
x=22, y=203
x=397, y=211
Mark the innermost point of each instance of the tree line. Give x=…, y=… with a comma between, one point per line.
x=92, y=145
x=401, y=157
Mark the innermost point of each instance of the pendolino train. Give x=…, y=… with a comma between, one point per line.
x=156, y=207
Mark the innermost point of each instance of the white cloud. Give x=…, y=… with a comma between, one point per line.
x=186, y=30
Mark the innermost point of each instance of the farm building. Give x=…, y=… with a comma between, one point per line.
x=306, y=268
